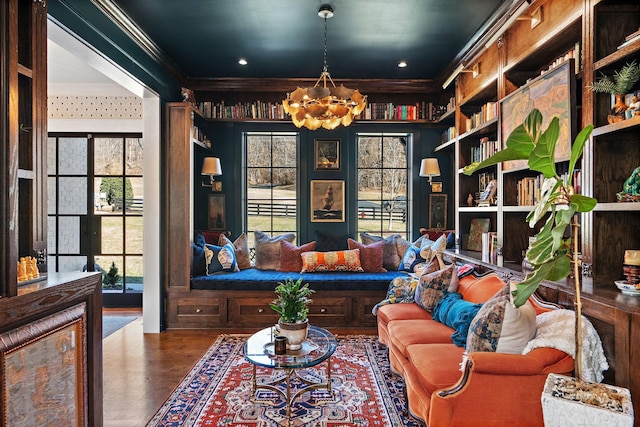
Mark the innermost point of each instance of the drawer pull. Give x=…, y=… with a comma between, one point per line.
x=261, y=310
x=323, y=310
x=198, y=310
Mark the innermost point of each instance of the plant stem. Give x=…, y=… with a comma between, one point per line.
x=578, y=301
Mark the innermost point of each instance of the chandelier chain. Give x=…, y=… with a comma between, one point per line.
x=324, y=58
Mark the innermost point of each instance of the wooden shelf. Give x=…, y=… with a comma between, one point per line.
x=616, y=127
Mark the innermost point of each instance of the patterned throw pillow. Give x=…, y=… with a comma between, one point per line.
x=290, y=255
x=371, y=256
x=241, y=248
x=320, y=262
x=267, y=256
x=433, y=286
x=401, y=290
x=429, y=250
x=220, y=258
x=390, y=258
x=411, y=259
x=501, y=327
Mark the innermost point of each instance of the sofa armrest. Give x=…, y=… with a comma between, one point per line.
x=513, y=378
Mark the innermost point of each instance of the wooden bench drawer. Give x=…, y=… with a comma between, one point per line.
x=198, y=312
x=330, y=311
x=252, y=311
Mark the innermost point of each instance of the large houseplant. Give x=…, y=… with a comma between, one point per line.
x=292, y=305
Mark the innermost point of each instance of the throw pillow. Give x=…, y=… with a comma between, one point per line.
x=326, y=242
x=457, y=314
x=319, y=262
x=198, y=266
x=410, y=259
x=199, y=239
x=501, y=327
x=267, y=254
x=390, y=258
x=426, y=267
x=430, y=250
x=290, y=255
x=401, y=290
x=241, y=248
x=371, y=256
x=212, y=237
x=433, y=286
x=220, y=258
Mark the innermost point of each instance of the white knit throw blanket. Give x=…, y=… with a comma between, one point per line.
x=556, y=329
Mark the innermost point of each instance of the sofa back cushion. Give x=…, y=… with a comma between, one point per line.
x=241, y=248
x=390, y=257
x=479, y=290
x=291, y=255
x=371, y=256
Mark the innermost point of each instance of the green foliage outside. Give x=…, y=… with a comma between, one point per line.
x=112, y=187
x=110, y=279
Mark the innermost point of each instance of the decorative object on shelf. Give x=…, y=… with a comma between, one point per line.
x=631, y=271
x=429, y=167
x=487, y=197
x=217, y=214
x=327, y=201
x=327, y=154
x=438, y=211
x=621, y=83
x=476, y=229
x=631, y=188
x=188, y=96
x=436, y=187
x=292, y=305
x=211, y=166
x=322, y=106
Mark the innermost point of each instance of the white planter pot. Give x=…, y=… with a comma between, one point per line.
x=562, y=412
x=294, y=332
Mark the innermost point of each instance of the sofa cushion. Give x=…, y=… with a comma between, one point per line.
x=456, y=313
x=291, y=255
x=390, y=258
x=408, y=332
x=198, y=265
x=501, y=327
x=319, y=262
x=371, y=256
x=267, y=252
x=411, y=259
x=241, y=248
x=432, y=286
x=220, y=258
x=476, y=290
x=434, y=365
x=326, y=242
x=392, y=312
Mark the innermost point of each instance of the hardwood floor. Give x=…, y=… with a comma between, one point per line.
x=141, y=370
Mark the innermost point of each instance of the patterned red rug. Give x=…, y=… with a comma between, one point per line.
x=217, y=391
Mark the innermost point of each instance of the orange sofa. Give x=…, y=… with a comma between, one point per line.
x=446, y=388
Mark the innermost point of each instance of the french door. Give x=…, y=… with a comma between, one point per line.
x=95, y=211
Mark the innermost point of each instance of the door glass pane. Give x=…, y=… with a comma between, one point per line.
x=73, y=156
x=134, y=155
x=112, y=240
x=51, y=156
x=134, y=197
x=134, y=274
x=111, y=267
x=108, y=156
x=133, y=232
x=72, y=196
x=69, y=235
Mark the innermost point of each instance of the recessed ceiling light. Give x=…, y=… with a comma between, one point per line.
x=402, y=64
x=242, y=61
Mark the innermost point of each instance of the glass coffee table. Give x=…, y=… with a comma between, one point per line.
x=318, y=347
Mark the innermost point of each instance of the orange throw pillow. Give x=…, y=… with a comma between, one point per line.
x=321, y=262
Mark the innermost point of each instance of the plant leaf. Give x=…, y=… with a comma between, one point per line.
x=542, y=156
x=577, y=148
x=583, y=203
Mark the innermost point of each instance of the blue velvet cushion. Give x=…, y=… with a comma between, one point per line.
x=327, y=242
x=456, y=313
x=198, y=265
x=220, y=258
x=410, y=259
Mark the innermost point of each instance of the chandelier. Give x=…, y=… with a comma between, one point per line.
x=322, y=106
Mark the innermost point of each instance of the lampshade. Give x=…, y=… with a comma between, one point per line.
x=429, y=167
x=211, y=166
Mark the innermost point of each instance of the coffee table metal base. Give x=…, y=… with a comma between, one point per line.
x=292, y=373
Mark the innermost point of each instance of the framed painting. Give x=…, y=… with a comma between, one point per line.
x=44, y=371
x=438, y=211
x=327, y=154
x=554, y=94
x=217, y=212
x=327, y=201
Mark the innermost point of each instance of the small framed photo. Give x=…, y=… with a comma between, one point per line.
x=217, y=213
x=327, y=201
x=436, y=187
x=327, y=154
x=438, y=211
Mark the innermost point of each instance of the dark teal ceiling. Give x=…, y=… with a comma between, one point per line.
x=284, y=38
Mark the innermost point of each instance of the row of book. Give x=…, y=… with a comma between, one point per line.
x=486, y=149
x=529, y=189
x=574, y=53
x=488, y=111
x=198, y=134
x=448, y=134
x=490, y=247
x=260, y=110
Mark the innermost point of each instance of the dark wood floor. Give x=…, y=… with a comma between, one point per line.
x=141, y=370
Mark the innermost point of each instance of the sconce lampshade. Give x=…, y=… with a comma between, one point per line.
x=211, y=166
x=430, y=168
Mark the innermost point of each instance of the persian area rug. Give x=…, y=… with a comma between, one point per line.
x=218, y=391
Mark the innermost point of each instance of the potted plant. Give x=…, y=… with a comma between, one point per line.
x=292, y=304
x=551, y=255
x=621, y=83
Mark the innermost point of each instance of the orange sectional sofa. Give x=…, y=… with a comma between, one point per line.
x=446, y=387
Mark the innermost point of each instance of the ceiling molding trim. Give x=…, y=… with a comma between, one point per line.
x=284, y=85
x=118, y=17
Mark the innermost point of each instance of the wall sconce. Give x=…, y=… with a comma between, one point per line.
x=211, y=166
x=459, y=69
x=430, y=168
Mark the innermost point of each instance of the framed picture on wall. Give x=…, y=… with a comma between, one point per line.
x=327, y=154
x=217, y=212
x=327, y=201
x=438, y=211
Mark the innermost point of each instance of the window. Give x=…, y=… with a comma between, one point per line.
x=382, y=183
x=271, y=177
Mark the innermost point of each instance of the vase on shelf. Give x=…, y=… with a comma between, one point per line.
x=618, y=110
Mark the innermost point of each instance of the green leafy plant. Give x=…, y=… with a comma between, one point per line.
x=293, y=300
x=550, y=254
x=622, y=81
x=110, y=279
